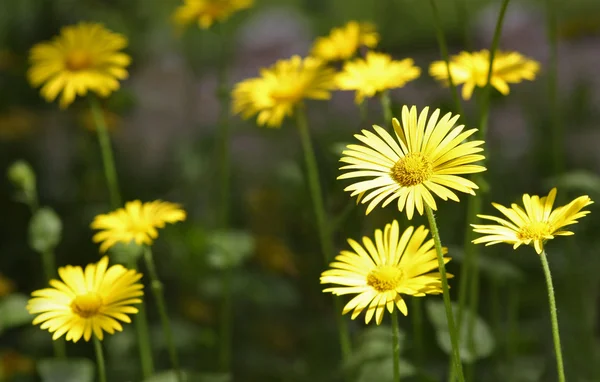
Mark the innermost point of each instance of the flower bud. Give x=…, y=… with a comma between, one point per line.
x=45, y=230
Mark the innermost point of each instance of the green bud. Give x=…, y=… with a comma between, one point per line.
x=126, y=253
x=22, y=177
x=45, y=230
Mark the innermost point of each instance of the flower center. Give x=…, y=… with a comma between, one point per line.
x=78, y=60
x=87, y=305
x=412, y=169
x=385, y=278
x=535, y=231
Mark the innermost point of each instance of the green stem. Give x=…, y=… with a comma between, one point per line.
x=416, y=313
x=100, y=360
x=314, y=185
x=441, y=38
x=158, y=291
x=553, y=318
x=363, y=108
x=446, y=294
x=226, y=321
x=140, y=321
x=49, y=264
x=386, y=104
x=396, y=345
x=512, y=322
x=107, y=155
x=462, y=13
x=557, y=128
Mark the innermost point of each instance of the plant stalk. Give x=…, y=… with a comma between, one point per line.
x=100, y=360
x=396, y=344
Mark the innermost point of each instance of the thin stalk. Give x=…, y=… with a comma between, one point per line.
x=553, y=317
x=110, y=171
x=396, y=345
x=226, y=329
x=312, y=172
x=512, y=322
x=158, y=291
x=416, y=312
x=386, y=104
x=441, y=38
x=100, y=360
x=557, y=128
x=446, y=294
x=49, y=264
x=140, y=321
x=462, y=13
x=363, y=108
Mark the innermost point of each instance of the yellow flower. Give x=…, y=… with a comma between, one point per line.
x=207, y=12
x=380, y=272
x=535, y=224
x=87, y=302
x=375, y=73
x=426, y=158
x=343, y=42
x=282, y=87
x=16, y=123
x=84, y=57
x=136, y=222
x=471, y=69
x=13, y=364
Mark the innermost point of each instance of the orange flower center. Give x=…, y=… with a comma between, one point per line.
x=87, y=305
x=78, y=60
x=385, y=278
x=412, y=169
x=535, y=231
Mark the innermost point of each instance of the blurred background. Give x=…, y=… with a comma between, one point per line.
x=163, y=122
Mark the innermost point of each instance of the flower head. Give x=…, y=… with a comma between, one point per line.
x=535, y=224
x=282, y=87
x=427, y=157
x=471, y=69
x=207, y=12
x=136, y=222
x=343, y=42
x=84, y=57
x=87, y=302
x=375, y=73
x=380, y=271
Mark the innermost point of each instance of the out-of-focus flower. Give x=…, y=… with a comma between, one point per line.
x=16, y=123
x=282, y=87
x=343, y=42
x=87, y=303
x=6, y=286
x=197, y=310
x=273, y=254
x=13, y=363
x=375, y=73
x=535, y=224
x=381, y=270
x=136, y=222
x=207, y=12
x=84, y=57
x=111, y=120
x=471, y=69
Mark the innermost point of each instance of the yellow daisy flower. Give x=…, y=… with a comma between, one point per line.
x=280, y=88
x=380, y=272
x=84, y=57
x=535, y=224
x=207, y=12
x=87, y=302
x=426, y=158
x=136, y=222
x=471, y=69
x=343, y=42
x=375, y=73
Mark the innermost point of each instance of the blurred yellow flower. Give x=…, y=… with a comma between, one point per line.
x=471, y=69
x=87, y=302
x=13, y=364
x=343, y=42
x=426, y=158
x=111, y=120
x=375, y=73
x=207, y=12
x=136, y=222
x=535, y=224
x=6, y=286
x=280, y=88
x=16, y=123
x=272, y=253
x=84, y=57
x=381, y=271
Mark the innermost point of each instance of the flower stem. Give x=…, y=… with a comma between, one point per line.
x=100, y=360
x=49, y=264
x=512, y=320
x=462, y=12
x=444, y=52
x=557, y=129
x=319, y=210
x=446, y=294
x=553, y=318
x=396, y=345
x=386, y=104
x=158, y=291
x=110, y=171
x=226, y=321
x=417, y=316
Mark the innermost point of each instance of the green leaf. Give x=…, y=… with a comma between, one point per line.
x=494, y=266
x=523, y=369
x=45, y=230
x=13, y=312
x=578, y=180
x=71, y=370
x=171, y=376
x=229, y=248
x=483, y=340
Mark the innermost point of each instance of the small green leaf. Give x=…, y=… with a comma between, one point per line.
x=71, y=370
x=45, y=230
x=171, y=376
x=229, y=248
x=13, y=312
x=578, y=180
x=494, y=266
x=523, y=369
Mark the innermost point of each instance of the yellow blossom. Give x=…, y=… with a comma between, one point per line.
x=343, y=42
x=207, y=12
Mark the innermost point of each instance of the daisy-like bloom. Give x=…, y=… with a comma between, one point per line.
x=136, y=222
x=343, y=42
x=207, y=12
x=426, y=158
x=535, y=224
x=471, y=69
x=381, y=271
x=280, y=88
x=87, y=302
x=84, y=57
x=375, y=73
